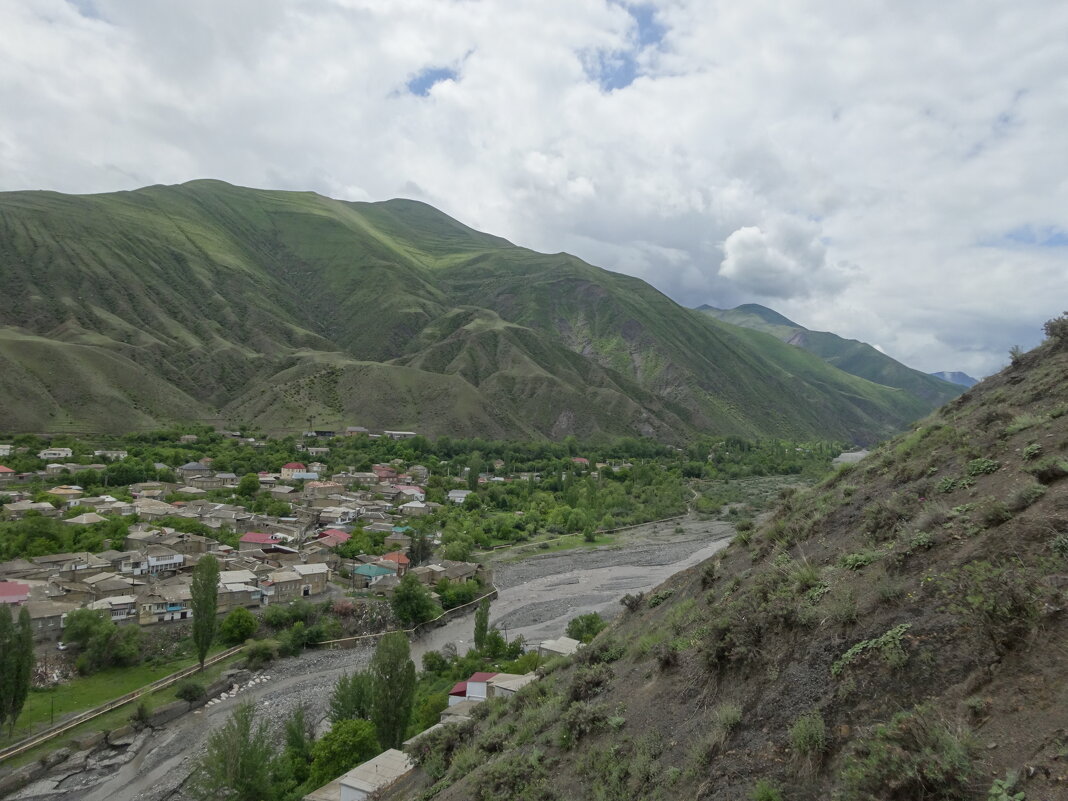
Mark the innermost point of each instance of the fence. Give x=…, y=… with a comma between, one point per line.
x=54, y=731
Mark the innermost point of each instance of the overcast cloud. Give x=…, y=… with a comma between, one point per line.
x=894, y=172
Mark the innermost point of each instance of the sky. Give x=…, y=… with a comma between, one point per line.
x=894, y=171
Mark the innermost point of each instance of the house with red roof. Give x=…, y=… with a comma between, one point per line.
x=6, y=473
x=399, y=559
x=14, y=592
x=582, y=460
x=332, y=537
x=252, y=540
x=291, y=469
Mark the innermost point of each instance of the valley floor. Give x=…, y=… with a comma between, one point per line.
x=538, y=596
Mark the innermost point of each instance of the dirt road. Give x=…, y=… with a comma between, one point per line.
x=538, y=596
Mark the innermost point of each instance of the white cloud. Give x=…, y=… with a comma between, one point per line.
x=858, y=168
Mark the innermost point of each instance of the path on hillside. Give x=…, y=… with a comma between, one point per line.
x=538, y=595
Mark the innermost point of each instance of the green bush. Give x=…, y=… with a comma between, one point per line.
x=977, y=467
x=581, y=719
x=1032, y=451
x=589, y=681
x=585, y=627
x=1025, y=496
x=808, y=735
x=917, y=755
x=889, y=645
x=190, y=690
x=259, y=653
x=1002, y=601
x=856, y=561
x=1056, y=330
x=765, y=790
x=658, y=598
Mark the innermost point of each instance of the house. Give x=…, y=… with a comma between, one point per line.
x=457, y=695
x=254, y=540
x=67, y=492
x=384, y=471
x=581, y=461
x=561, y=646
x=414, y=509
x=316, y=578
x=375, y=776
x=71, y=562
x=459, y=571
x=47, y=618
x=6, y=474
x=290, y=469
x=159, y=559
x=5, y=449
x=188, y=439
x=55, y=453
x=504, y=685
x=115, y=456
x=18, y=510
x=356, y=431
x=399, y=559
x=281, y=586
x=458, y=496
x=86, y=519
x=119, y=608
x=193, y=470
x=365, y=576
x=161, y=602
x=14, y=593
x=317, y=451
x=398, y=541
x=478, y=686
x=429, y=575
x=410, y=492
x=399, y=434
x=332, y=537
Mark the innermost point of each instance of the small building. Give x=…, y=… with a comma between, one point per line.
x=561, y=646
x=55, y=453
x=87, y=519
x=281, y=586
x=193, y=470
x=458, y=496
x=315, y=578
x=254, y=540
x=398, y=558
x=7, y=474
x=290, y=469
x=368, y=575
x=14, y=593
x=375, y=775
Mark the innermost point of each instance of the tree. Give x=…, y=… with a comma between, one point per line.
x=8, y=659
x=248, y=486
x=23, y=666
x=352, y=697
x=412, y=602
x=393, y=688
x=482, y=624
x=585, y=627
x=238, y=626
x=346, y=745
x=236, y=764
x=420, y=549
x=204, y=603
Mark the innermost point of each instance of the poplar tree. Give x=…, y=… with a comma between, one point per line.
x=204, y=602
x=393, y=681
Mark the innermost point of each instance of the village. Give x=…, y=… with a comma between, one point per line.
x=145, y=578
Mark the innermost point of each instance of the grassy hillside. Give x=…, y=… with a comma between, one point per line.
x=210, y=301
x=897, y=632
x=854, y=357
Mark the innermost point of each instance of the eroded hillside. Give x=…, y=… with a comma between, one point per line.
x=897, y=632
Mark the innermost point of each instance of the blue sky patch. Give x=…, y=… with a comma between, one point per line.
x=1044, y=236
x=618, y=69
x=425, y=80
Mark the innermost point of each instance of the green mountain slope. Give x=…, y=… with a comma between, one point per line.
x=210, y=301
x=850, y=355
x=896, y=632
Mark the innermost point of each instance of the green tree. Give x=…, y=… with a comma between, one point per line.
x=249, y=485
x=351, y=697
x=585, y=627
x=393, y=687
x=346, y=745
x=482, y=624
x=8, y=663
x=236, y=764
x=238, y=626
x=204, y=603
x=411, y=601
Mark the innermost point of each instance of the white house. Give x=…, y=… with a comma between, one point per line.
x=458, y=495
x=55, y=453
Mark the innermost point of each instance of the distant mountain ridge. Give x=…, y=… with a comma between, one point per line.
x=955, y=377
x=851, y=355
x=206, y=301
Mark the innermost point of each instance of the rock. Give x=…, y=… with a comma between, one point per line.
x=124, y=735
x=165, y=714
x=21, y=777
x=89, y=741
x=54, y=758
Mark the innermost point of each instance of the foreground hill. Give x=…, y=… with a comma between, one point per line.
x=213, y=302
x=895, y=633
x=855, y=357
